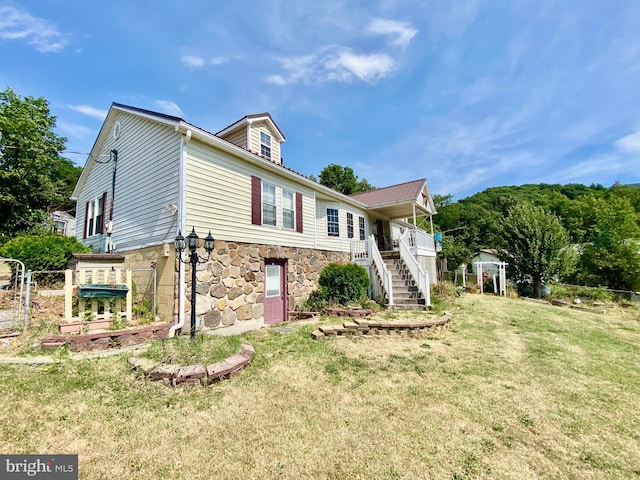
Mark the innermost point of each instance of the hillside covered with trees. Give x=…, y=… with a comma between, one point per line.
x=602, y=227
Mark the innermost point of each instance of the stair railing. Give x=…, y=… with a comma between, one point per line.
x=385, y=274
x=420, y=276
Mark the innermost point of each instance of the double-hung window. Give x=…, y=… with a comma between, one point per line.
x=333, y=226
x=268, y=204
x=94, y=220
x=349, y=225
x=265, y=144
x=288, y=210
x=361, y=227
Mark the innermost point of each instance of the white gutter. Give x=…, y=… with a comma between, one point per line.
x=181, y=226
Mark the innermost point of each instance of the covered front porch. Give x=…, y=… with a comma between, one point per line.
x=400, y=254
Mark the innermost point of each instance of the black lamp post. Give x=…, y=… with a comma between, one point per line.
x=194, y=259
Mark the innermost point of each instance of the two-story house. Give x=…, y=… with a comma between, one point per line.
x=150, y=176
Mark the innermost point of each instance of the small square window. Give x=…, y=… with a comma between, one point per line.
x=265, y=144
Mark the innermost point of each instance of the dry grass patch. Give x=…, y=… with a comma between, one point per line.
x=512, y=390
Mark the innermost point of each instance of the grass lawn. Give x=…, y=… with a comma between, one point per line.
x=513, y=390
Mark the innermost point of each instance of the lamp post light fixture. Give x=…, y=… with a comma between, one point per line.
x=191, y=242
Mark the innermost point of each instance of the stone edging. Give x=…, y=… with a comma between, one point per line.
x=349, y=312
x=368, y=327
x=107, y=340
x=174, y=375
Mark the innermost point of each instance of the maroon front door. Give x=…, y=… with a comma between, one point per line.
x=275, y=291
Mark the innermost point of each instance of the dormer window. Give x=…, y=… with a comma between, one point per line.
x=265, y=145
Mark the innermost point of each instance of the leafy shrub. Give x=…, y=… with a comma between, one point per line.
x=343, y=284
x=42, y=252
x=570, y=292
x=316, y=302
x=446, y=291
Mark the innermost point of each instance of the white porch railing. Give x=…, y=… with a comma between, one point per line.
x=420, y=242
x=420, y=276
x=367, y=250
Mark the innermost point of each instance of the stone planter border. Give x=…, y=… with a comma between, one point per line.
x=106, y=340
x=174, y=375
x=349, y=312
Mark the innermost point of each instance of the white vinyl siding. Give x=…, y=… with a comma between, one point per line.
x=237, y=137
x=219, y=198
x=146, y=184
x=340, y=242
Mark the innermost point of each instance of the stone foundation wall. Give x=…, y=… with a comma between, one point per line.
x=230, y=286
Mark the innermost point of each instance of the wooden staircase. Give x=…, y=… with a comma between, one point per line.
x=406, y=295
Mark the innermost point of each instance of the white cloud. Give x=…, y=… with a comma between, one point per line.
x=368, y=68
x=334, y=64
x=89, y=111
x=629, y=143
x=170, y=108
x=399, y=33
x=193, y=62
x=19, y=25
x=75, y=130
x=276, y=80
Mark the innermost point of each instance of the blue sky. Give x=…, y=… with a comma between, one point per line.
x=467, y=93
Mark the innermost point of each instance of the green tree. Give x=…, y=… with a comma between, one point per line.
x=535, y=244
x=33, y=176
x=343, y=179
x=611, y=243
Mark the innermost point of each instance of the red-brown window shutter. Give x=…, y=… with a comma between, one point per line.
x=86, y=220
x=256, y=201
x=298, y=212
x=104, y=212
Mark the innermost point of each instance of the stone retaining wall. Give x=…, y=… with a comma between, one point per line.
x=230, y=287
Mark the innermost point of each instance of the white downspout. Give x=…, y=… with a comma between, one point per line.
x=315, y=221
x=181, y=226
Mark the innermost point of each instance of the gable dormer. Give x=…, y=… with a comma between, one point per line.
x=257, y=133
